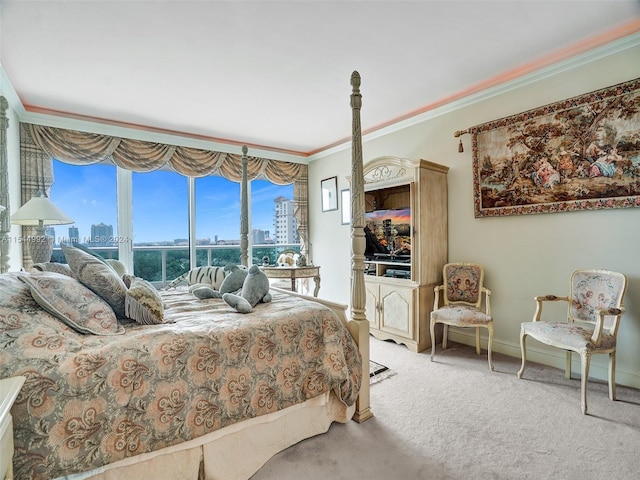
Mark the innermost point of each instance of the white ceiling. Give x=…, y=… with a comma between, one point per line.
x=276, y=74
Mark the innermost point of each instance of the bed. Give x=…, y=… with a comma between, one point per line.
x=206, y=394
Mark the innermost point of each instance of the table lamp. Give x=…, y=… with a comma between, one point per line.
x=40, y=212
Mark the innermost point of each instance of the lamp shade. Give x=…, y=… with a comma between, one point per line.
x=39, y=211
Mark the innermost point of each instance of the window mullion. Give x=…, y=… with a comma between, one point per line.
x=249, y=222
x=125, y=218
x=191, y=185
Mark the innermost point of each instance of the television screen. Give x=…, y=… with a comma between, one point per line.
x=388, y=232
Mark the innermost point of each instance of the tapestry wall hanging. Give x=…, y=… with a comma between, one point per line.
x=578, y=154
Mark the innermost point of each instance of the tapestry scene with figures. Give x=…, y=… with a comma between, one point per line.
x=577, y=154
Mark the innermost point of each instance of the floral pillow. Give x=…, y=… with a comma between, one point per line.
x=143, y=302
x=52, y=267
x=73, y=303
x=95, y=274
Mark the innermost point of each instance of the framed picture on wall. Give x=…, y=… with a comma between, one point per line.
x=345, y=198
x=582, y=153
x=329, y=190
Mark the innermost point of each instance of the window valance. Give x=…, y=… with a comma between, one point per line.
x=83, y=148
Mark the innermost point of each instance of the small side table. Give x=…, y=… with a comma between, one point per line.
x=295, y=273
x=9, y=389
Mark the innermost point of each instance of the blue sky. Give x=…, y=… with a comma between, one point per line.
x=87, y=194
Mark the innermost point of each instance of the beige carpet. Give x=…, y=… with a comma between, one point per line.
x=453, y=419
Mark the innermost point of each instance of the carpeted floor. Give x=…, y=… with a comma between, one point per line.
x=453, y=419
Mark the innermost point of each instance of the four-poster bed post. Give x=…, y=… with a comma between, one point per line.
x=359, y=325
x=244, y=211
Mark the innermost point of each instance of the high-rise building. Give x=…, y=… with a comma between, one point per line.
x=74, y=235
x=260, y=237
x=284, y=222
x=102, y=235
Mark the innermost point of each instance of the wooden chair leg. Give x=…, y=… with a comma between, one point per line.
x=523, y=353
x=490, y=346
x=478, y=349
x=585, y=359
x=432, y=329
x=612, y=375
x=567, y=367
x=445, y=331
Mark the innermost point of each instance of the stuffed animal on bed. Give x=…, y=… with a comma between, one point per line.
x=208, y=275
x=232, y=283
x=255, y=289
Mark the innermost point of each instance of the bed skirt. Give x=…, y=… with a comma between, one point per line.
x=235, y=452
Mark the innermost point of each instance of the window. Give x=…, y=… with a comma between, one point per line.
x=87, y=194
x=155, y=221
x=160, y=216
x=273, y=225
x=217, y=220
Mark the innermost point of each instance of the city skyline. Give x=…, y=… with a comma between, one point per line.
x=87, y=194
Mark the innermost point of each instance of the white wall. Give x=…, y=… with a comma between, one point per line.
x=524, y=255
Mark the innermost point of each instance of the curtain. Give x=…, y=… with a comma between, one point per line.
x=40, y=144
x=301, y=209
x=36, y=174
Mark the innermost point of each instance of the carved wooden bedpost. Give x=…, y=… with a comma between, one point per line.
x=5, y=226
x=359, y=325
x=244, y=211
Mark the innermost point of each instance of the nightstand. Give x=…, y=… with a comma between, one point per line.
x=9, y=389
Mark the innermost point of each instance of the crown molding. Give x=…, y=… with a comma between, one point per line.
x=481, y=94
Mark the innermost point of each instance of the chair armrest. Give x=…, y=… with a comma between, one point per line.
x=487, y=300
x=545, y=298
x=436, y=297
x=601, y=313
x=611, y=311
x=550, y=298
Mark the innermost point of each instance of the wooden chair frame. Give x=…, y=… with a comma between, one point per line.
x=471, y=305
x=600, y=327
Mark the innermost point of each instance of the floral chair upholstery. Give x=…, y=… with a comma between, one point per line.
x=461, y=304
x=595, y=307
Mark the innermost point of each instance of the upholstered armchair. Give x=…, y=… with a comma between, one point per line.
x=595, y=307
x=461, y=294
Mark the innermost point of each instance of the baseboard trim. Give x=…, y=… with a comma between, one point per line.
x=552, y=357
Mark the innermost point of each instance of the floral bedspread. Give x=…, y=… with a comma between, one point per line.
x=91, y=400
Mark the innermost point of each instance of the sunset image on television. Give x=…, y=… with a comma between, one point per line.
x=391, y=231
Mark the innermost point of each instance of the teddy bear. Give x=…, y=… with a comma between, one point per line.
x=255, y=289
x=233, y=281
